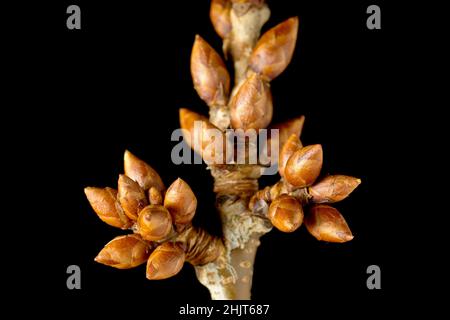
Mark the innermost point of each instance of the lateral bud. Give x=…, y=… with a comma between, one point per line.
x=141, y=172
x=288, y=128
x=304, y=166
x=286, y=213
x=155, y=196
x=210, y=76
x=327, y=224
x=124, y=252
x=251, y=107
x=274, y=50
x=165, y=262
x=154, y=223
x=106, y=206
x=333, y=188
x=219, y=14
x=181, y=202
x=201, y=136
x=131, y=196
x=289, y=148
x=285, y=130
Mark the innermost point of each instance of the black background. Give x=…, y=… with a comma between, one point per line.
x=118, y=84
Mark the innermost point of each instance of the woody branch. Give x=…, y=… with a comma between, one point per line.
x=161, y=219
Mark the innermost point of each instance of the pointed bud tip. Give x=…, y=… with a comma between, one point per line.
x=347, y=237
x=316, y=147
x=290, y=24
x=184, y=113
x=141, y=172
x=127, y=155
x=304, y=166
x=103, y=259
x=198, y=38
x=333, y=188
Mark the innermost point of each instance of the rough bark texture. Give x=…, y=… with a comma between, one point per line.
x=230, y=276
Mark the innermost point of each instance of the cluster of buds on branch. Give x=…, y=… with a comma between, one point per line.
x=161, y=219
x=299, y=168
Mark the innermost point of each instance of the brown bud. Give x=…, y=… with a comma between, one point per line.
x=131, y=196
x=210, y=76
x=251, y=107
x=274, y=50
x=220, y=16
x=201, y=136
x=288, y=128
x=141, y=172
x=286, y=213
x=289, y=148
x=124, y=252
x=105, y=204
x=165, y=262
x=181, y=202
x=154, y=223
x=285, y=130
x=327, y=224
x=333, y=188
x=304, y=166
x=155, y=196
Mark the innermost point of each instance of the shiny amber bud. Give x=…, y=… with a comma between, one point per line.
x=288, y=128
x=166, y=261
x=285, y=130
x=289, y=148
x=155, y=196
x=131, y=196
x=286, y=213
x=274, y=50
x=219, y=14
x=141, y=172
x=181, y=202
x=251, y=107
x=210, y=76
x=124, y=252
x=304, y=166
x=327, y=224
x=201, y=136
x=333, y=188
x=154, y=223
x=105, y=204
